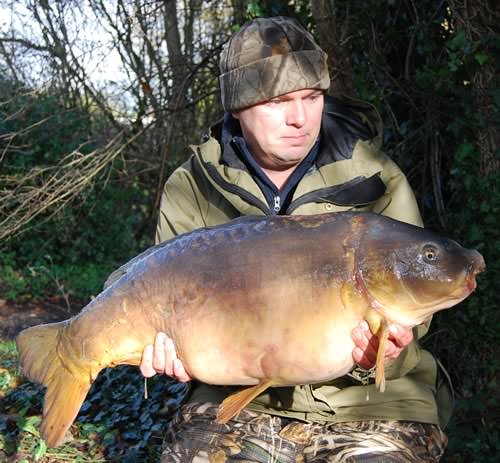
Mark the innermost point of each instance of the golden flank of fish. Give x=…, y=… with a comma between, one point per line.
x=259, y=301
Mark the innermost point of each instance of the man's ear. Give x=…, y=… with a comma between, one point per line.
x=236, y=115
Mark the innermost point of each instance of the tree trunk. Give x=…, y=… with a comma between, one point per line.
x=239, y=11
x=480, y=20
x=175, y=56
x=333, y=30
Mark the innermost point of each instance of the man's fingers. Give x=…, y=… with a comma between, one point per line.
x=162, y=358
x=400, y=336
x=159, y=363
x=373, y=342
x=146, y=365
x=170, y=357
x=392, y=351
x=367, y=344
x=179, y=371
x=360, y=358
x=365, y=352
x=369, y=341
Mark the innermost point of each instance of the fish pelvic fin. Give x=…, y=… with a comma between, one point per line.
x=66, y=390
x=378, y=326
x=236, y=402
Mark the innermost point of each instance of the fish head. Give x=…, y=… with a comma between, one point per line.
x=409, y=273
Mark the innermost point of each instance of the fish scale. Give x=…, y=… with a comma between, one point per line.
x=258, y=302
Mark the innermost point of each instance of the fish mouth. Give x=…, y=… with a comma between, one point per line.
x=468, y=281
x=463, y=291
x=475, y=268
x=423, y=309
x=471, y=284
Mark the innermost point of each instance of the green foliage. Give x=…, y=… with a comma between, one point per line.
x=73, y=252
x=70, y=252
x=115, y=423
x=8, y=363
x=299, y=10
x=472, y=330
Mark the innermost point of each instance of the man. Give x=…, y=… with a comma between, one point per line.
x=285, y=148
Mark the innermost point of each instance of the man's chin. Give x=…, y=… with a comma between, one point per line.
x=292, y=154
x=284, y=163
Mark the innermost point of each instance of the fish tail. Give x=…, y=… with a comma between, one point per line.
x=66, y=390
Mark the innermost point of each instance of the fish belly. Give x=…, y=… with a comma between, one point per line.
x=296, y=339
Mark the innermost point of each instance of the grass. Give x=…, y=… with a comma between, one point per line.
x=115, y=423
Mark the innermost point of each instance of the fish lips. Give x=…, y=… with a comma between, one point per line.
x=474, y=270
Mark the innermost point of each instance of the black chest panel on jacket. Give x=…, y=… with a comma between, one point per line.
x=341, y=128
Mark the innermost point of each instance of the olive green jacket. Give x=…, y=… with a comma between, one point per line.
x=351, y=173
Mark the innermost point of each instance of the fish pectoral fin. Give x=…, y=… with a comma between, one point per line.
x=375, y=321
x=236, y=402
x=378, y=326
x=382, y=335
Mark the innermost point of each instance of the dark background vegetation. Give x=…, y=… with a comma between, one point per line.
x=81, y=171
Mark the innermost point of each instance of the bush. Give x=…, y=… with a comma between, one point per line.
x=73, y=250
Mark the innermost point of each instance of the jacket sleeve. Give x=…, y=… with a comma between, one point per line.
x=180, y=209
x=403, y=205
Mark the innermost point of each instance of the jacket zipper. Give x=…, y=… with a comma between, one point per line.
x=250, y=198
x=377, y=188
x=277, y=204
x=307, y=198
x=232, y=188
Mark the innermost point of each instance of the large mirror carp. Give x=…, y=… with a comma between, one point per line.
x=258, y=302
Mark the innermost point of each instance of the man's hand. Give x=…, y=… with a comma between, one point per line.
x=365, y=352
x=162, y=358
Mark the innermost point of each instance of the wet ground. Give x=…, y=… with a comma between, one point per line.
x=15, y=316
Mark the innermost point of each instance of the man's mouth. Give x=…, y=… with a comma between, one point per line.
x=295, y=139
x=297, y=136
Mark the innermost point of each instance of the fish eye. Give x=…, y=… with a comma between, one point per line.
x=430, y=253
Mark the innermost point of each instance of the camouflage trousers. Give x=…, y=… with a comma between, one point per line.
x=194, y=437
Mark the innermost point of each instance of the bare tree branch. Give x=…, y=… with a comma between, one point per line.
x=48, y=189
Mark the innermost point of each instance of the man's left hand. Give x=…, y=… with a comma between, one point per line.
x=365, y=352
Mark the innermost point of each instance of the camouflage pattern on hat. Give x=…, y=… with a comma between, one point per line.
x=269, y=57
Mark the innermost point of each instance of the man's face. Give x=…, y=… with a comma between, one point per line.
x=280, y=132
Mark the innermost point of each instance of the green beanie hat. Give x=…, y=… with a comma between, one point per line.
x=269, y=57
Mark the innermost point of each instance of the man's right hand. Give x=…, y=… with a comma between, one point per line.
x=162, y=358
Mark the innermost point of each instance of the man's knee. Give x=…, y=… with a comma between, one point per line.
x=377, y=442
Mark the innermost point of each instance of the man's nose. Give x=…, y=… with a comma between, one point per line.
x=296, y=114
